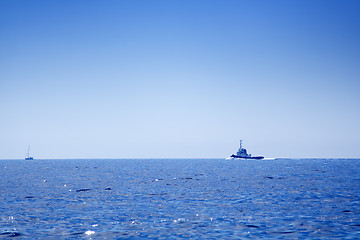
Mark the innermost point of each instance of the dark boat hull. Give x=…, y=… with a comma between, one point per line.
x=256, y=157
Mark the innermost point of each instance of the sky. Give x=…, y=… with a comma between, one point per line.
x=179, y=79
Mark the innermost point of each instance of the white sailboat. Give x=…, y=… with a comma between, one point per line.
x=28, y=155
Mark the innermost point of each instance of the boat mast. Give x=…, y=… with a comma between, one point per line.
x=241, y=144
x=28, y=153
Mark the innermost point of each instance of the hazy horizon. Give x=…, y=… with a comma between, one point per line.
x=179, y=79
x=188, y=158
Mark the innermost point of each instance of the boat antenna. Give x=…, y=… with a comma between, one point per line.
x=241, y=144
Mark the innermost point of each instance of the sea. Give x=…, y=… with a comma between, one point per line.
x=180, y=199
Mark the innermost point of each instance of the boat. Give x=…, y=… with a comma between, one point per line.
x=242, y=154
x=28, y=155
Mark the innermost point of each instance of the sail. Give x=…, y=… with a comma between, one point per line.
x=27, y=157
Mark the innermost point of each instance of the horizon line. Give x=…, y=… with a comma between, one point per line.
x=174, y=158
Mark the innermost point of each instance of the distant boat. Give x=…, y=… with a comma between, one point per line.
x=28, y=155
x=242, y=153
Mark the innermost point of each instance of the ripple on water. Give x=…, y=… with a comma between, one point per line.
x=163, y=199
x=10, y=234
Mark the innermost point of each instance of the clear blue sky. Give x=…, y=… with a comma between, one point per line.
x=147, y=79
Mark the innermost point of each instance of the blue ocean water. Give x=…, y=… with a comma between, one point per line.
x=180, y=198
